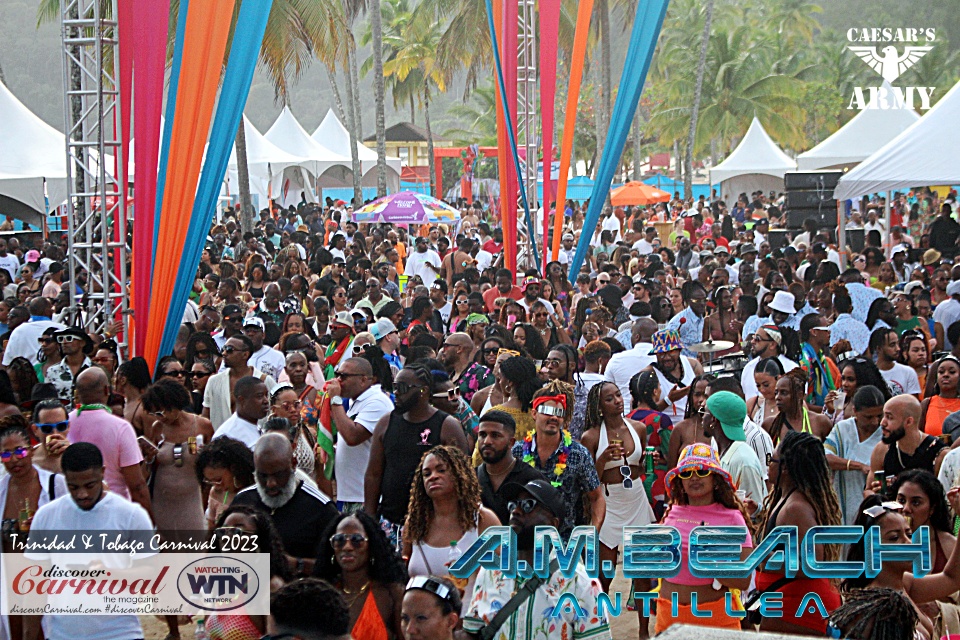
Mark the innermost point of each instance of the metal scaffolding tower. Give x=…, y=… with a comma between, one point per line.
x=527, y=115
x=96, y=219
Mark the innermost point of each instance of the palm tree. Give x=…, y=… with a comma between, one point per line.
x=413, y=45
x=379, y=91
x=479, y=118
x=695, y=109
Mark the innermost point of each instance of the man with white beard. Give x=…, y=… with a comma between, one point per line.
x=300, y=512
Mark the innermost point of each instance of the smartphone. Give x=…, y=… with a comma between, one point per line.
x=146, y=441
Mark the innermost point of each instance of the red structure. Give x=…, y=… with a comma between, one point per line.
x=466, y=153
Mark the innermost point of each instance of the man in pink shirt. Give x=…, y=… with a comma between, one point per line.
x=93, y=422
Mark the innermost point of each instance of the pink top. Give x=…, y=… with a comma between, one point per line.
x=685, y=518
x=116, y=440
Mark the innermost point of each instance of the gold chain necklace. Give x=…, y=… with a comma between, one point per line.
x=356, y=594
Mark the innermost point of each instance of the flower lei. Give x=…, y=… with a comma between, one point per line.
x=561, y=466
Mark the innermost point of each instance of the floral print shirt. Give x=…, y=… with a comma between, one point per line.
x=579, y=477
x=476, y=377
x=534, y=620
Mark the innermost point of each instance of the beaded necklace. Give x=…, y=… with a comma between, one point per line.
x=529, y=455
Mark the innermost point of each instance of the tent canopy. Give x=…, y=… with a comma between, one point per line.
x=757, y=153
x=923, y=154
x=287, y=134
x=31, y=151
x=857, y=140
x=333, y=135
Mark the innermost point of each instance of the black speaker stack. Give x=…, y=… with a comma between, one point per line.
x=809, y=194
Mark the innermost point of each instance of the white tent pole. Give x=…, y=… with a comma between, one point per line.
x=841, y=235
x=886, y=217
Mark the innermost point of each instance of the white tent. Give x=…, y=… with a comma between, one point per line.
x=333, y=135
x=924, y=154
x=860, y=138
x=757, y=163
x=31, y=151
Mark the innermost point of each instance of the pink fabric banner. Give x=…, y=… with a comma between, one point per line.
x=549, y=34
x=125, y=52
x=508, y=201
x=149, y=29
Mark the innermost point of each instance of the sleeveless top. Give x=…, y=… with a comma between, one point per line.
x=427, y=560
x=759, y=409
x=937, y=411
x=369, y=624
x=632, y=459
x=896, y=461
x=405, y=442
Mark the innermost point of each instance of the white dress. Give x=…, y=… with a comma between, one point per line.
x=625, y=507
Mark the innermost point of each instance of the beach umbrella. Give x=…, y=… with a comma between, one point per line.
x=406, y=207
x=637, y=193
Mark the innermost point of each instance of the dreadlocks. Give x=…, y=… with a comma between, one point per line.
x=876, y=614
x=465, y=485
x=558, y=388
x=594, y=417
x=797, y=379
x=802, y=457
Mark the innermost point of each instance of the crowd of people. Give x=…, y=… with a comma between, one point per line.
x=370, y=399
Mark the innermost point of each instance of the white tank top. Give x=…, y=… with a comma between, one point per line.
x=632, y=459
x=426, y=560
x=676, y=409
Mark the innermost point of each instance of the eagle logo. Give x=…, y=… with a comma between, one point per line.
x=890, y=64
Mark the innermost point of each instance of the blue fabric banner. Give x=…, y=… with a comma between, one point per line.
x=643, y=42
x=241, y=64
x=512, y=137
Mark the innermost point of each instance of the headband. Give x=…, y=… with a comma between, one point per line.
x=774, y=332
x=559, y=399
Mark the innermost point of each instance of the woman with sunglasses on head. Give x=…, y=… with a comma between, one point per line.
x=898, y=575
x=175, y=491
x=700, y=492
x=286, y=403
x=431, y=609
x=445, y=515
x=258, y=530
x=358, y=560
x=617, y=447
x=225, y=466
x=945, y=398
x=23, y=489
x=802, y=496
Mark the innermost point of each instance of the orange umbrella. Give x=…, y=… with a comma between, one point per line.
x=637, y=193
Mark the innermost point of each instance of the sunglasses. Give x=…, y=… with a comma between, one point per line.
x=48, y=428
x=558, y=412
x=432, y=585
x=339, y=540
x=66, y=339
x=401, y=389
x=290, y=405
x=229, y=349
x=450, y=394
x=20, y=452
x=507, y=352
x=463, y=302
x=701, y=473
x=197, y=375
x=340, y=375
x=173, y=374
x=625, y=472
x=526, y=505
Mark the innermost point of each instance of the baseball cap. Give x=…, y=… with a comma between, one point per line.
x=898, y=249
x=382, y=328
x=254, y=321
x=32, y=256
x=542, y=490
x=230, y=309
x=343, y=318
x=730, y=410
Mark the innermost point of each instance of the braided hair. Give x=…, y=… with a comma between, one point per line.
x=594, y=417
x=877, y=613
x=642, y=386
x=421, y=511
x=798, y=390
x=423, y=374
x=801, y=454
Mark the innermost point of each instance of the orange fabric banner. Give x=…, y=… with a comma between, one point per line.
x=570, y=120
x=205, y=41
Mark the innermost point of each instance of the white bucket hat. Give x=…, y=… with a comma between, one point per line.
x=783, y=301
